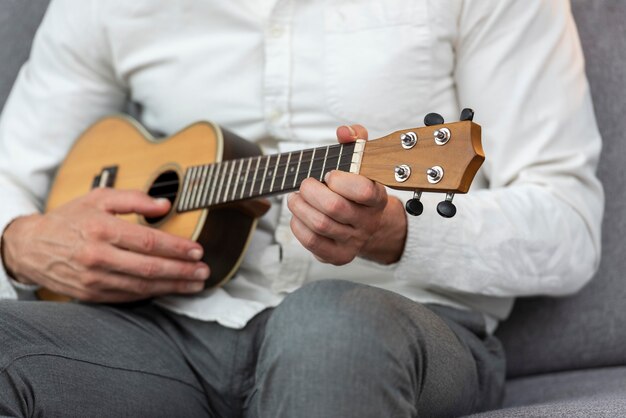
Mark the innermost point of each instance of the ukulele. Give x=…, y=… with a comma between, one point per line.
x=215, y=180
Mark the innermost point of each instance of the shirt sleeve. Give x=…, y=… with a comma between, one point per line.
x=67, y=84
x=536, y=228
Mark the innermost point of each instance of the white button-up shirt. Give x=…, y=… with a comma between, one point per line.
x=286, y=73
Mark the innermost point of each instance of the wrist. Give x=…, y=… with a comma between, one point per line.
x=8, y=253
x=386, y=245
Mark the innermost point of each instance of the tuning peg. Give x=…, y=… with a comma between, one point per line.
x=414, y=206
x=467, y=114
x=433, y=119
x=447, y=208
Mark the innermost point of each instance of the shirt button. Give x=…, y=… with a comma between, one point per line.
x=277, y=31
x=276, y=115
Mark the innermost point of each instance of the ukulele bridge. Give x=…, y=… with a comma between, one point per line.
x=106, y=178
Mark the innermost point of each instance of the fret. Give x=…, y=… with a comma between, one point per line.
x=197, y=187
x=332, y=160
x=183, y=196
x=207, y=187
x=238, y=180
x=295, y=177
x=339, y=158
x=306, y=160
x=282, y=185
x=193, y=186
x=270, y=173
x=275, y=169
x=256, y=171
x=229, y=181
x=316, y=165
x=312, y=161
x=201, y=186
x=222, y=178
x=267, y=163
x=324, y=164
x=216, y=176
x=245, y=180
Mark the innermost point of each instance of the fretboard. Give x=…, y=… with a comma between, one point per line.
x=246, y=178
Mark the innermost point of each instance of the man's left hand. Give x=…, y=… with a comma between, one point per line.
x=348, y=215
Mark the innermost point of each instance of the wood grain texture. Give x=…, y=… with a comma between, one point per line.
x=224, y=231
x=460, y=158
x=119, y=141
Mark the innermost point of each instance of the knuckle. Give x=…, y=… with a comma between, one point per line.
x=89, y=257
x=90, y=280
x=312, y=243
x=335, y=207
x=94, y=230
x=367, y=192
x=149, y=270
x=149, y=241
x=322, y=224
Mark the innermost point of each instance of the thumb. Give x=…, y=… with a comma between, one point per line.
x=351, y=133
x=130, y=201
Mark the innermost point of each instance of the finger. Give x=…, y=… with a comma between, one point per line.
x=316, y=221
x=324, y=249
x=100, y=280
x=146, y=240
x=356, y=188
x=77, y=291
x=110, y=258
x=328, y=202
x=350, y=133
x=129, y=201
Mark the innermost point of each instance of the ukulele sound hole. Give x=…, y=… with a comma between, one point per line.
x=165, y=186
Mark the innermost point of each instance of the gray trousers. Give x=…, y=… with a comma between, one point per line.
x=331, y=349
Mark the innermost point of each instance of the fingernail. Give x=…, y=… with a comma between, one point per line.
x=195, y=287
x=161, y=201
x=352, y=131
x=201, y=273
x=326, y=177
x=195, y=254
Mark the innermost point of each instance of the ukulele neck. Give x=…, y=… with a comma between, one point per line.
x=261, y=176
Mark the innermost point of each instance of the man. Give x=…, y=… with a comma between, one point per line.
x=407, y=329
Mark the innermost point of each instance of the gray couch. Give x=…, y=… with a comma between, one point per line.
x=566, y=357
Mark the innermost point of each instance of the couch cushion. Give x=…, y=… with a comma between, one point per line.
x=597, y=406
x=19, y=20
x=587, y=330
x=564, y=386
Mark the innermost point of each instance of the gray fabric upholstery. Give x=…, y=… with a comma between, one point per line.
x=566, y=386
x=609, y=406
x=18, y=21
x=589, y=329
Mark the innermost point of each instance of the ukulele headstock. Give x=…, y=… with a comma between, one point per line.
x=439, y=157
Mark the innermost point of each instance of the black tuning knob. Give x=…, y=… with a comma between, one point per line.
x=467, y=114
x=414, y=206
x=433, y=119
x=447, y=208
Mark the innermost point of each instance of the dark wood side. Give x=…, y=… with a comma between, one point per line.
x=227, y=229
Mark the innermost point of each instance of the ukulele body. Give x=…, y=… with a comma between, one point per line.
x=121, y=150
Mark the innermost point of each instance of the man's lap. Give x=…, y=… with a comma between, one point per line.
x=144, y=352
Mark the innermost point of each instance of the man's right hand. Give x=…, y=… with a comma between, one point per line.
x=83, y=250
